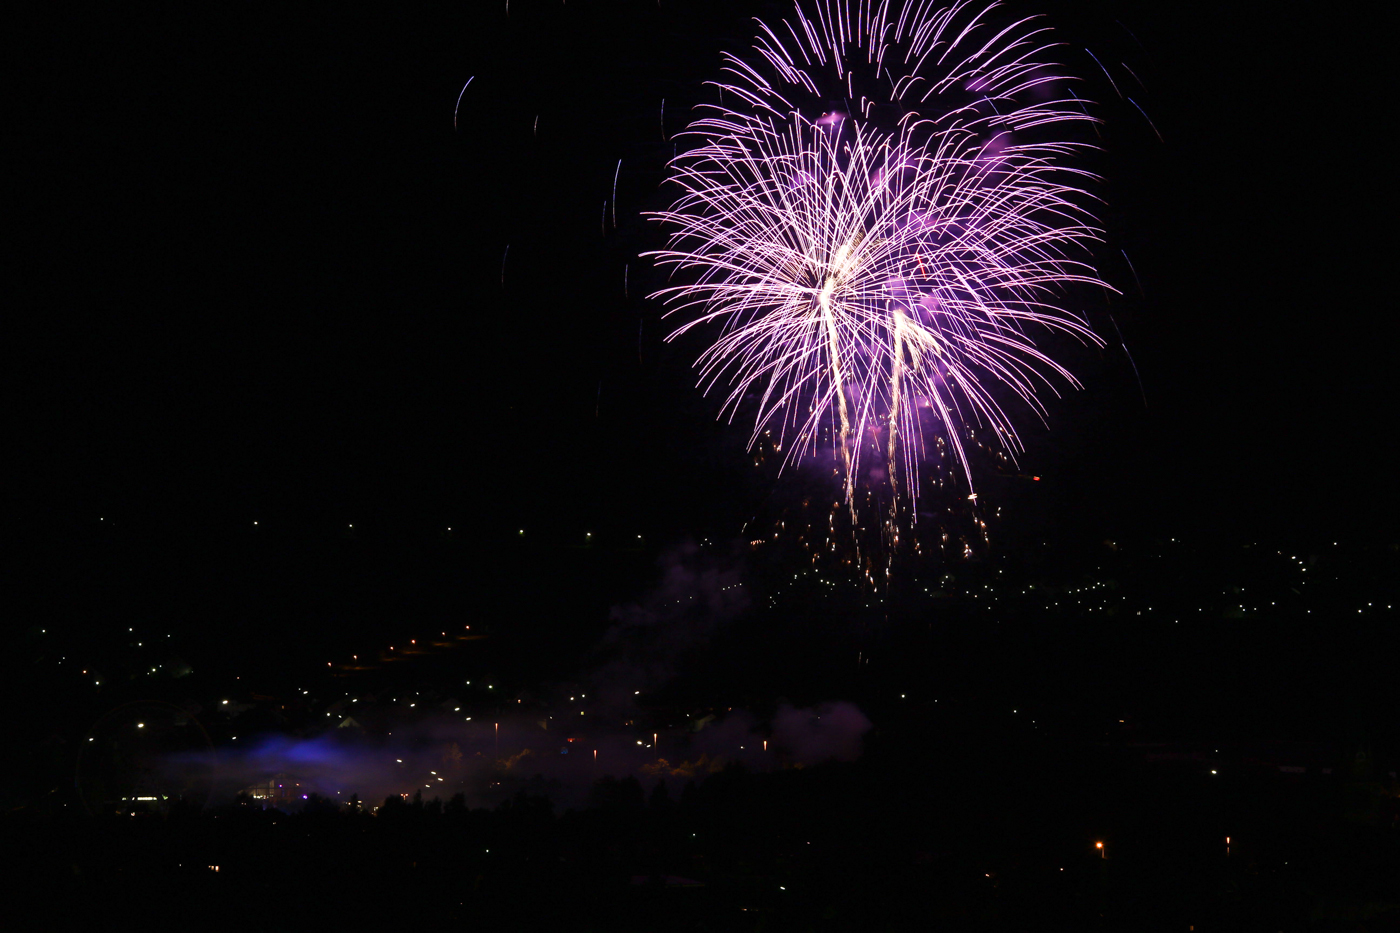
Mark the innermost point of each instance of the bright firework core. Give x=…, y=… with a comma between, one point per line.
x=880, y=220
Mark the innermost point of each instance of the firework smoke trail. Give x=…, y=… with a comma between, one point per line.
x=880, y=219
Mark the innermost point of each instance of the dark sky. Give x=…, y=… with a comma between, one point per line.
x=259, y=273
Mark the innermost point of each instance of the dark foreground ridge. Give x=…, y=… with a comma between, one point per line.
x=952, y=827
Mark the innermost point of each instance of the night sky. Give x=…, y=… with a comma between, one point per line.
x=296, y=356
x=258, y=273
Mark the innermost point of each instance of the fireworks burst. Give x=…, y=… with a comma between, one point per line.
x=880, y=221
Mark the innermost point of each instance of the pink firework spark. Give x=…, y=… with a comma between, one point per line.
x=879, y=223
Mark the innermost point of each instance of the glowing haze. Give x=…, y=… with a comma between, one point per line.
x=879, y=223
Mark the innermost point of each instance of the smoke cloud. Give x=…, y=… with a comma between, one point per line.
x=558, y=747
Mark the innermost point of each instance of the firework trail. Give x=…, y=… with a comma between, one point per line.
x=879, y=223
x=458, y=108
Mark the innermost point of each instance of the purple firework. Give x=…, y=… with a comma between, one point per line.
x=880, y=220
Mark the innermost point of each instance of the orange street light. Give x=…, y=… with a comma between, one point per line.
x=1102, y=852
